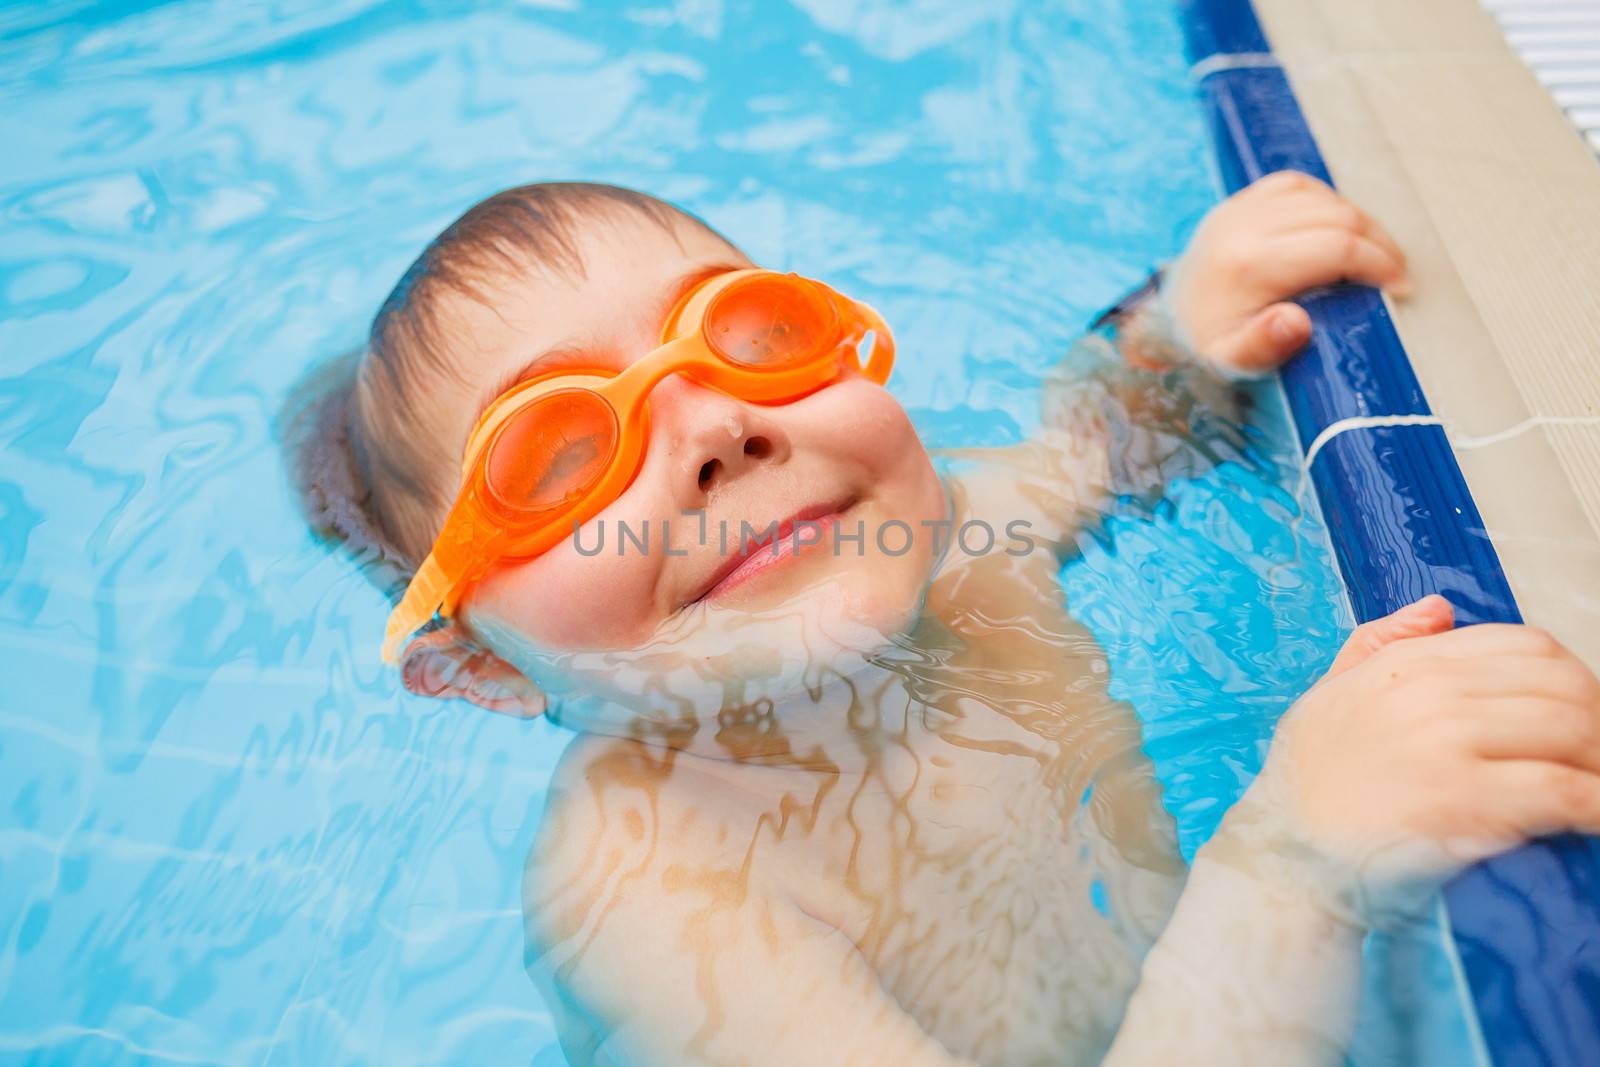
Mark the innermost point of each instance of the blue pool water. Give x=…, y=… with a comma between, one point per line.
x=226, y=836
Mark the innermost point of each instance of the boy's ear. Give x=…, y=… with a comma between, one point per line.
x=444, y=663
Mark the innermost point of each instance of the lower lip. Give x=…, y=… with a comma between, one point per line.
x=816, y=535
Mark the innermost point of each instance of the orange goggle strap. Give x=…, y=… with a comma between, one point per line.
x=428, y=590
x=453, y=564
x=470, y=541
x=881, y=361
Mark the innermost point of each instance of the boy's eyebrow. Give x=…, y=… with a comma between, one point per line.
x=687, y=282
x=567, y=353
x=577, y=355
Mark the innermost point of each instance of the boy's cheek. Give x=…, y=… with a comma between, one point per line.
x=858, y=417
x=565, y=601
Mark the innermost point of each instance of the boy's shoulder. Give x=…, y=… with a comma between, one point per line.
x=1027, y=499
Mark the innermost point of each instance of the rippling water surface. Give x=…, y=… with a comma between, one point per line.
x=225, y=834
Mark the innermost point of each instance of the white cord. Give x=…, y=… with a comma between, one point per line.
x=1364, y=422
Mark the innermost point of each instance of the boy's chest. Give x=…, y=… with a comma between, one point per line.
x=1005, y=865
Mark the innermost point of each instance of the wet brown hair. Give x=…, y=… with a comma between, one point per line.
x=346, y=419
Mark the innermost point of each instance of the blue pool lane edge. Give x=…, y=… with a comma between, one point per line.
x=1526, y=924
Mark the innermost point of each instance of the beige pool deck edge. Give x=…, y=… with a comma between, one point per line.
x=1427, y=119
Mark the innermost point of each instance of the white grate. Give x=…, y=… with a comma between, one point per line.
x=1560, y=40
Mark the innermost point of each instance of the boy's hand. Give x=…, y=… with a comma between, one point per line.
x=1424, y=750
x=1262, y=246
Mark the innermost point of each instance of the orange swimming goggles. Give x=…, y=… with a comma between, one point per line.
x=551, y=453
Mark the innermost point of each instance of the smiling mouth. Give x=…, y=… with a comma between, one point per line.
x=762, y=554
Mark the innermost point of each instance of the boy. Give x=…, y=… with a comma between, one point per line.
x=851, y=791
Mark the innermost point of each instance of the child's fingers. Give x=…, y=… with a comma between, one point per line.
x=1540, y=798
x=1315, y=257
x=1374, y=231
x=1529, y=675
x=1430, y=615
x=1265, y=340
x=1477, y=643
x=1538, y=728
x=1328, y=210
x=1283, y=184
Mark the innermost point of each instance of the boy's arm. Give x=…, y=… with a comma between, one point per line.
x=784, y=990
x=1423, y=750
x=1124, y=418
x=1250, y=969
x=655, y=944
x=1108, y=431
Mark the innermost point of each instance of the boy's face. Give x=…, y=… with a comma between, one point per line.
x=846, y=452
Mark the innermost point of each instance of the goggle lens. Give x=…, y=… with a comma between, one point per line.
x=552, y=452
x=770, y=320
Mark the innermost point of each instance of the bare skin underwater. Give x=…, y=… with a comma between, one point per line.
x=923, y=871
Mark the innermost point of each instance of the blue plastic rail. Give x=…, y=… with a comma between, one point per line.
x=1403, y=525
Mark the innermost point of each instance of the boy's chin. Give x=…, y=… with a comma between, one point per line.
x=715, y=654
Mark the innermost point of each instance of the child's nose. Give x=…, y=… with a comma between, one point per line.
x=713, y=437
